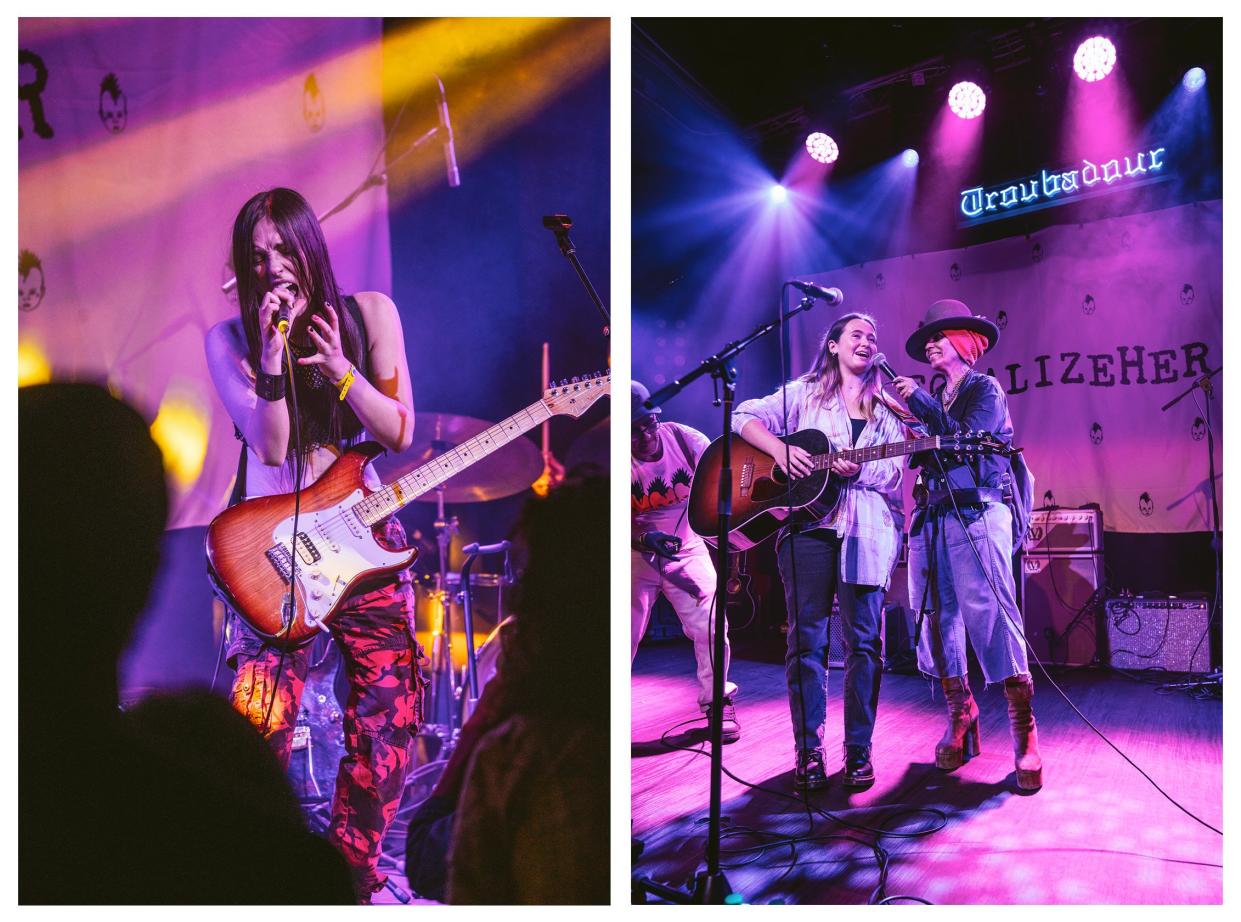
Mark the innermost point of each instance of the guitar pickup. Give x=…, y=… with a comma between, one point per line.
x=306, y=549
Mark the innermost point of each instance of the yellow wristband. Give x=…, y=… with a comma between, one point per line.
x=346, y=382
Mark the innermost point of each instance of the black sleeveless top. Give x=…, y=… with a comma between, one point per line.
x=315, y=431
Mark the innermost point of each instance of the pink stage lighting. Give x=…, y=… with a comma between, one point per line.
x=967, y=100
x=822, y=148
x=1094, y=59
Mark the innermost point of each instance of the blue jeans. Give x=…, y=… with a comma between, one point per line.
x=816, y=558
x=967, y=604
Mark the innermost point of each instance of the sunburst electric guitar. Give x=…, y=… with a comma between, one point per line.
x=251, y=548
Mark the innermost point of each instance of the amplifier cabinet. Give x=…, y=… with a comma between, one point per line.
x=1065, y=531
x=1060, y=607
x=1149, y=633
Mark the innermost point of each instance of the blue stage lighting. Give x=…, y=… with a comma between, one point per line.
x=1195, y=79
x=910, y=158
x=779, y=195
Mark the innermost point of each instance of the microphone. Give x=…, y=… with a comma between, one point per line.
x=450, y=152
x=880, y=361
x=832, y=296
x=282, y=317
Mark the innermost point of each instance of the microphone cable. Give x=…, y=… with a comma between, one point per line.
x=1042, y=668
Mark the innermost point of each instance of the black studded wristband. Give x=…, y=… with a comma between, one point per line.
x=269, y=387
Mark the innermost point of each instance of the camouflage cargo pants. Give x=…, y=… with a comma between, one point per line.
x=384, y=708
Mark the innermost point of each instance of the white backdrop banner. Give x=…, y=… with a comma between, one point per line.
x=1101, y=325
x=140, y=140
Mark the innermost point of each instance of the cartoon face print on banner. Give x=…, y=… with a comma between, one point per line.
x=1146, y=505
x=30, y=284
x=31, y=92
x=954, y=272
x=1198, y=431
x=1187, y=294
x=314, y=108
x=113, y=106
x=1096, y=434
x=1001, y=320
x=1088, y=305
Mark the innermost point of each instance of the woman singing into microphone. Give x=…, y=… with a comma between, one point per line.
x=848, y=554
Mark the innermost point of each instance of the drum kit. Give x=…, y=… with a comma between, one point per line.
x=457, y=622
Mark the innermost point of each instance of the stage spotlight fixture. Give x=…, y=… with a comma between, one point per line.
x=1195, y=79
x=1094, y=59
x=967, y=100
x=822, y=148
x=910, y=158
x=779, y=194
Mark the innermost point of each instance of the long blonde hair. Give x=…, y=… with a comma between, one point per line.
x=824, y=376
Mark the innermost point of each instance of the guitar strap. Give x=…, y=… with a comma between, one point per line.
x=355, y=315
x=689, y=459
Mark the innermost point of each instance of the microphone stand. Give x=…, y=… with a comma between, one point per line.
x=1203, y=383
x=710, y=885
x=559, y=224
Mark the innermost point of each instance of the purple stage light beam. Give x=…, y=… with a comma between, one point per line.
x=1094, y=59
x=967, y=100
x=821, y=147
x=1195, y=79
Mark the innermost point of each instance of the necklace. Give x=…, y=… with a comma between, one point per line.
x=948, y=395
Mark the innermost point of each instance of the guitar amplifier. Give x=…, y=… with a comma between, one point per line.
x=1065, y=531
x=1060, y=607
x=1170, y=634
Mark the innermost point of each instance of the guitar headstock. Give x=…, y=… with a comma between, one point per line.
x=977, y=443
x=574, y=396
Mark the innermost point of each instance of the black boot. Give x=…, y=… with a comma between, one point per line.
x=809, y=775
x=859, y=773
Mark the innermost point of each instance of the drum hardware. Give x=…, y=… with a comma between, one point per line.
x=470, y=687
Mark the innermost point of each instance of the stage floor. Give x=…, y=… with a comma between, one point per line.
x=1097, y=832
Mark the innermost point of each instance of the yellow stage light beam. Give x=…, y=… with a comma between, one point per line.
x=498, y=73
x=32, y=364
x=180, y=430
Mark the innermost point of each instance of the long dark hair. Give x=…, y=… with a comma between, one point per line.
x=321, y=410
x=555, y=653
x=824, y=375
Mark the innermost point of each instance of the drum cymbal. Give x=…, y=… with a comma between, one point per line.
x=506, y=471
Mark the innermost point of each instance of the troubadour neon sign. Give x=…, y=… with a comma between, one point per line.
x=1058, y=187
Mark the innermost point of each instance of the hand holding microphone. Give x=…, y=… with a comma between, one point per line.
x=904, y=386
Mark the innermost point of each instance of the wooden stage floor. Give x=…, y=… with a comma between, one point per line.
x=1097, y=832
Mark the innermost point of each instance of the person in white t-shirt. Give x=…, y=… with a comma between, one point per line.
x=667, y=556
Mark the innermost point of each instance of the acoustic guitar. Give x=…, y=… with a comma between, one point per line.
x=763, y=499
x=259, y=567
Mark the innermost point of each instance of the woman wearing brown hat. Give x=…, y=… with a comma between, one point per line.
x=961, y=544
x=849, y=554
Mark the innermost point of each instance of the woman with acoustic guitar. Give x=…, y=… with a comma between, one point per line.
x=347, y=369
x=848, y=553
